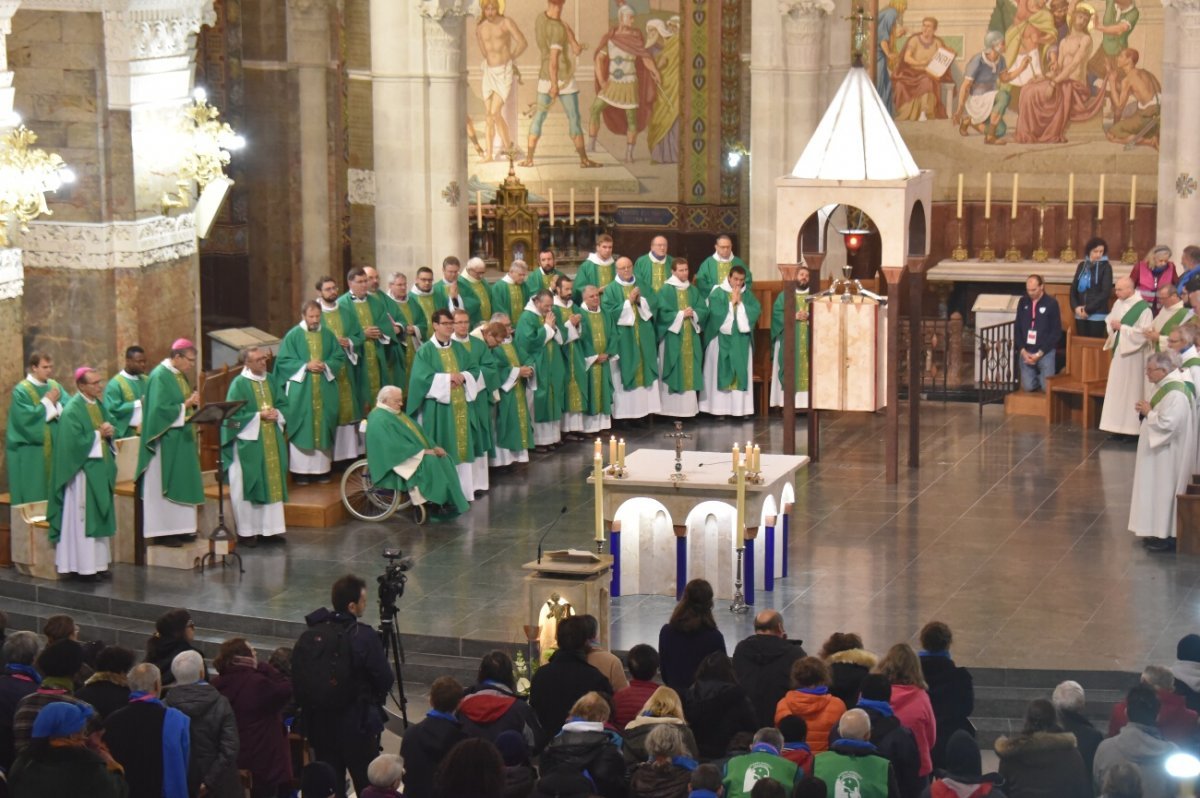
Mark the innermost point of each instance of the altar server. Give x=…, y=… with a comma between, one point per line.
x=729, y=347
x=635, y=373
x=254, y=451
x=123, y=394
x=307, y=367
x=80, y=511
x=681, y=313
x=538, y=339
x=1127, y=324
x=32, y=424
x=777, y=326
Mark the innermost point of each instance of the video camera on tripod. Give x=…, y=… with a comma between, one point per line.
x=393, y=579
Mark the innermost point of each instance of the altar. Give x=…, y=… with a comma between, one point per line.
x=665, y=531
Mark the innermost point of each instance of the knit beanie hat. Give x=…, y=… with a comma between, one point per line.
x=512, y=748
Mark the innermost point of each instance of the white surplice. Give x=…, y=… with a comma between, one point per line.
x=76, y=553
x=160, y=515
x=635, y=402
x=1127, y=382
x=686, y=404
x=734, y=402
x=254, y=519
x=439, y=391
x=1166, y=446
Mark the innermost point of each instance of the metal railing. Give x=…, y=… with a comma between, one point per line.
x=997, y=363
x=943, y=356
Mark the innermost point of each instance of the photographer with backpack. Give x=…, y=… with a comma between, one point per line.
x=341, y=678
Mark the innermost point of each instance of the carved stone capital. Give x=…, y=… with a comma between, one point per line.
x=311, y=8
x=438, y=10
x=117, y=245
x=797, y=9
x=444, y=45
x=153, y=31
x=12, y=274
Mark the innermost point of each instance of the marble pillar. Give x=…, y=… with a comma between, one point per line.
x=12, y=320
x=445, y=64
x=7, y=9
x=1179, y=147
x=787, y=64
x=308, y=29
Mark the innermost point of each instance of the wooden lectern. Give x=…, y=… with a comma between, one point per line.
x=567, y=583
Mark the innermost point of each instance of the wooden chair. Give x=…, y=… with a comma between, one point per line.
x=1077, y=392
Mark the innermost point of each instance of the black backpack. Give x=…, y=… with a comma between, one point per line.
x=322, y=666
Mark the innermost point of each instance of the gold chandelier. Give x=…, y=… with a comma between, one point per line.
x=207, y=144
x=26, y=174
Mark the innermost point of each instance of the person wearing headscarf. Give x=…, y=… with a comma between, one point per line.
x=62, y=761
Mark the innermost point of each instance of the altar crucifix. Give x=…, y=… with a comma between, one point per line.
x=679, y=436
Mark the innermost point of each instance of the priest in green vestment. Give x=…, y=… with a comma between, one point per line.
x=635, y=375
x=544, y=276
x=123, y=395
x=476, y=292
x=80, y=512
x=306, y=371
x=715, y=268
x=802, y=290
x=394, y=324
x=655, y=267
x=33, y=416
x=448, y=292
x=401, y=456
x=481, y=407
x=599, y=269
x=538, y=342
x=254, y=451
x=441, y=389
x=570, y=325
x=509, y=381
x=511, y=292
x=343, y=322
x=729, y=348
x=422, y=295
x=410, y=326
x=680, y=316
x=597, y=335
x=168, y=456
x=372, y=369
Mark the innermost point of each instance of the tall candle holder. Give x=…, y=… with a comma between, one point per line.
x=616, y=471
x=1068, y=253
x=739, y=605
x=1012, y=254
x=1040, y=255
x=960, y=252
x=1130, y=254
x=987, y=254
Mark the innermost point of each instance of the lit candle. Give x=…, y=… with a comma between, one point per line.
x=621, y=452
x=987, y=197
x=1071, y=196
x=1014, y=196
x=959, y=205
x=598, y=477
x=612, y=450
x=596, y=205
x=741, y=505
x=479, y=209
x=599, y=450
x=757, y=458
x=551, y=207
x=571, y=206
x=1100, y=201
x=737, y=457
x=1132, y=197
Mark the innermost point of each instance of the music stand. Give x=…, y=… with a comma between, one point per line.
x=218, y=413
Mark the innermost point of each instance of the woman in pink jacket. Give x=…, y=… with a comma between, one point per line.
x=910, y=699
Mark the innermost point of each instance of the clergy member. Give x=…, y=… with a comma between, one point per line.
x=422, y=294
x=447, y=293
x=598, y=269
x=716, y=267
x=481, y=409
x=401, y=456
x=538, y=339
x=680, y=320
x=635, y=373
x=544, y=276
x=342, y=321
x=1127, y=324
x=410, y=323
x=476, y=292
x=655, y=267
x=1172, y=312
x=777, y=325
x=393, y=324
x=575, y=385
x=510, y=381
x=254, y=452
x=371, y=369
x=309, y=362
x=440, y=394
x=729, y=348
x=1165, y=454
x=511, y=292
x=168, y=458
x=123, y=395
x=598, y=336
x=80, y=511
x=32, y=424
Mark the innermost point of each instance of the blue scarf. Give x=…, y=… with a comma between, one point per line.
x=856, y=745
x=813, y=690
x=797, y=747
x=434, y=713
x=175, y=745
x=702, y=794
x=1085, y=277
x=882, y=707
x=764, y=748
x=685, y=762
x=27, y=671
x=944, y=654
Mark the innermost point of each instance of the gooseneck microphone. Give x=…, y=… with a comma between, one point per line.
x=548, y=528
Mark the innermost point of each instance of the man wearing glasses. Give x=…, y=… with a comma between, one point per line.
x=168, y=460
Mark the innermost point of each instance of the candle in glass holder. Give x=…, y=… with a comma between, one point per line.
x=1071, y=196
x=987, y=197
x=1014, y=196
x=958, y=206
x=551, y=204
x=1132, y=197
x=1100, y=201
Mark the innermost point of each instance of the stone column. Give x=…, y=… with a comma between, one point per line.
x=1179, y=147
x=308, y=52
x=7, y=9
x=445, y=63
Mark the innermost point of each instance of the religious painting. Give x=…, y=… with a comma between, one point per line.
x=583, y=95
x=1044, y=88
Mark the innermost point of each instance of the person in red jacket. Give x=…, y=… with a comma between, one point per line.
x=795, y=742
x=1176, y=722
x=642, y=661
x=910, y=699
x=810, y=699
x=491, y=706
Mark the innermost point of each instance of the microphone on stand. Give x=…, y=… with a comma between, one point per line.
x=548, y=528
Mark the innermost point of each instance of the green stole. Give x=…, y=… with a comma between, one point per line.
x=687, y=342
x=640, y=379
x=426, y=303
x=1129, y=319
x=605, y=273
x=93, y=409
x=1173, y=385
x=480, y=289
x=47, y=439
x=126, y=389
x=367, y=319
x=1171, y=324
x=801, y=348
x=516, y=299
x=414, y=429
x=262, y=394
x=574, y=396
x=458, y=404
x=600, y=346
x=510, y=354
x=315, y=351
x=333, y=320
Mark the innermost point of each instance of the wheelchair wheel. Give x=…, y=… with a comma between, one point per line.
x=363, y=500
x=420, y=514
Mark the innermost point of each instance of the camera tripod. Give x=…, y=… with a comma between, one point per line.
x=394, y=649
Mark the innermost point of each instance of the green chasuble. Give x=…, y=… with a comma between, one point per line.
x=636, y=344
x=447, y=423
x=119, y=396
x=29, y=442
x=683, y=353
x=397, y=365
x=713, y=272
x=264, y=459
x=77, y=430
x=427, y=305
x=394, y=438
x=371, y=372
x=536, y=281
x=514, y=428
x=801, y=340
x=549, y=367
x=408, y=312
x=648, y=271
x=343, y=323
x=597, y=338
x=481, y=405
x=441, y=296
x=311, y=399
x=576, y=384
x=592, y=272
x=477, y=299
x=509, y=298
x=166, y=391
x=733, y=354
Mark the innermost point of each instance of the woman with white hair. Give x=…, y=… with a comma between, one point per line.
x=1069, y=702
x=213, y=730
x=669, y=768
x=386, y=773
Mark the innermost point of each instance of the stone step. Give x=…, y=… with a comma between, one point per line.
x=1011, y=702
x=1048, y=678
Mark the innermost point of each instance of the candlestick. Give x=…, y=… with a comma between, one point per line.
x=987, y=253
x=1071, y=196
x=987, y=197
x=1040, y=255
x=612, y=450
x=598, y=477
x=596, y=205
x=551, y=204
x=599, y=450
x=1068, y=251
x=757, y=458
x=571, y=216
x=1132, y=197
x=479, y=209
x=958, y=207
x=737, y=458
x=741, y=505
x=1016, y=177
x=1130, y=254
x=621, y=454
x=1100, y=201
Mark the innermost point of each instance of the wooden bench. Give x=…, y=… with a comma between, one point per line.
x=1077, y=393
